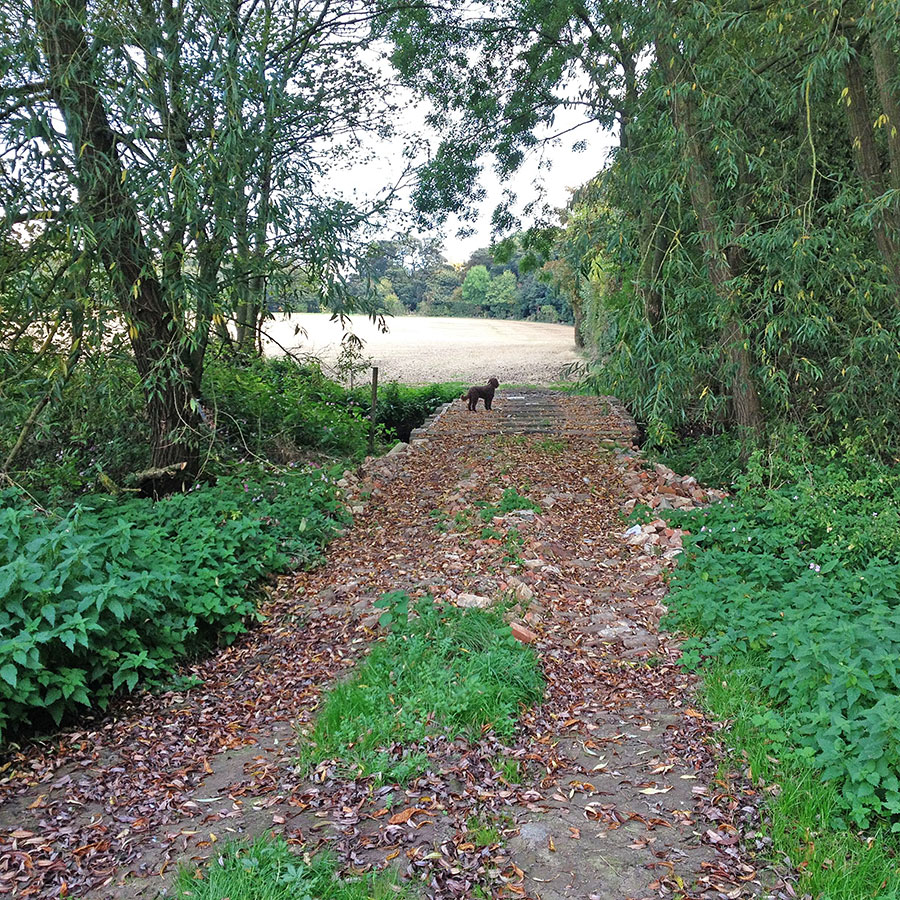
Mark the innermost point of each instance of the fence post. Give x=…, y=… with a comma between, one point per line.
x=372, y=410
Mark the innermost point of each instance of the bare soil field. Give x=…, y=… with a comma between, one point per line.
x=419, y=350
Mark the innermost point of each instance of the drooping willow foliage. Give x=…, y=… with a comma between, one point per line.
x=164, y=174
x=736, y=260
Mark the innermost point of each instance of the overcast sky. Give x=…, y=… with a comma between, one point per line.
x=555, y=165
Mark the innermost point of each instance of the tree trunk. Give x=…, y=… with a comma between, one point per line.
x=578, y=314
x=886, y=71
x=884, y=223
x=746, y=410
x=154, y=331
x=653, y=252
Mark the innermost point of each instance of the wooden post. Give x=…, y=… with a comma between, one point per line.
x=372, y=410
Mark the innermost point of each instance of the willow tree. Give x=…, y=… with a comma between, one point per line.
x=183, y=149
x=744, y=232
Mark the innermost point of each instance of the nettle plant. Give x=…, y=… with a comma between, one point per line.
x=805, y=580
x=112, y=593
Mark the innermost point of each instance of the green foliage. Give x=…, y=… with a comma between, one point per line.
x=714, y=459
x=268, y=869
x=411, y=275
x=262, y=410
x=400, y=407
x=511, y=501
x=440, y=670
x=475, y=287
x=276, y=409
x=803, y=818
x=501, y=295
x=102, y=596
x=803, y=568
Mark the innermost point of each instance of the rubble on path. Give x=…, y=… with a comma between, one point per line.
x=659, y=488
x=610, y=788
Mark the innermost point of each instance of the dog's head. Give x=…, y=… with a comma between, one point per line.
x=493, y=382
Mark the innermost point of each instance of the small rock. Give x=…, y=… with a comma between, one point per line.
x=472, y=601
x=523, y=592
x=522, y=634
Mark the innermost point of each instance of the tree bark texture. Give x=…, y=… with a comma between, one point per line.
x=884, y=222
x=746, y=410
x=154, y=331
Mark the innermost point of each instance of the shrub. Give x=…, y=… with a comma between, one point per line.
x=400, y=408
x=109, y=593
x=440, y=671
x=275, y=408
x=807, y=577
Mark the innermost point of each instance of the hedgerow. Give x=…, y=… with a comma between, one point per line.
x=103, y=595
x=806, y=578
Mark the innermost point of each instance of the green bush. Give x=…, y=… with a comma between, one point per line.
x=98, y=424
x=400, y=408
x=274, y=408
x=440, y=671
x=108, y=593
x=807, y=577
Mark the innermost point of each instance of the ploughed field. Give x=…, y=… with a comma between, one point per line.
x=418, y=350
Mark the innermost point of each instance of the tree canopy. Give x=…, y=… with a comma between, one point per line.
x=735, y=260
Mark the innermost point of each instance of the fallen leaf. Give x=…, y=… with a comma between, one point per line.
x=405, y=815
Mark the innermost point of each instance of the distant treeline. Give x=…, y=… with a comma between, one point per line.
x=412, y=276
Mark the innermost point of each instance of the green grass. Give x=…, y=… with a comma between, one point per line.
x=511, y=501
x=509, y=769
x=441, y=671
x=833, y=862
x=268, y=869
x=551, y=445
x=482, y=834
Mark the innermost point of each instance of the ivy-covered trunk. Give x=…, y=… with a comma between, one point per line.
x=155, y=331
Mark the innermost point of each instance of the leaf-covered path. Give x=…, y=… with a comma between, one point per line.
x=618, y=795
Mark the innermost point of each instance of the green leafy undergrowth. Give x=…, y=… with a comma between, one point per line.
x=268, y=869
x=511, y=501
x=277, y=409
x=400, y=407
x=108, y=593
x=439, y=670
x=804, y=815
x=807, y=576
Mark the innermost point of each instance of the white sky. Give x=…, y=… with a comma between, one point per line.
x=555, y=165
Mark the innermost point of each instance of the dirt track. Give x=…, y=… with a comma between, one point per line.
x=618, y=794
x=422, y=350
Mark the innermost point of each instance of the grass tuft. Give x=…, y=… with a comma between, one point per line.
x=440, y=670
x=268, y=869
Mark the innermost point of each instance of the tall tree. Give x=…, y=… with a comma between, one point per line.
x=185, y=147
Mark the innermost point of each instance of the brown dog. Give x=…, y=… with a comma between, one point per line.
x=486, y=393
